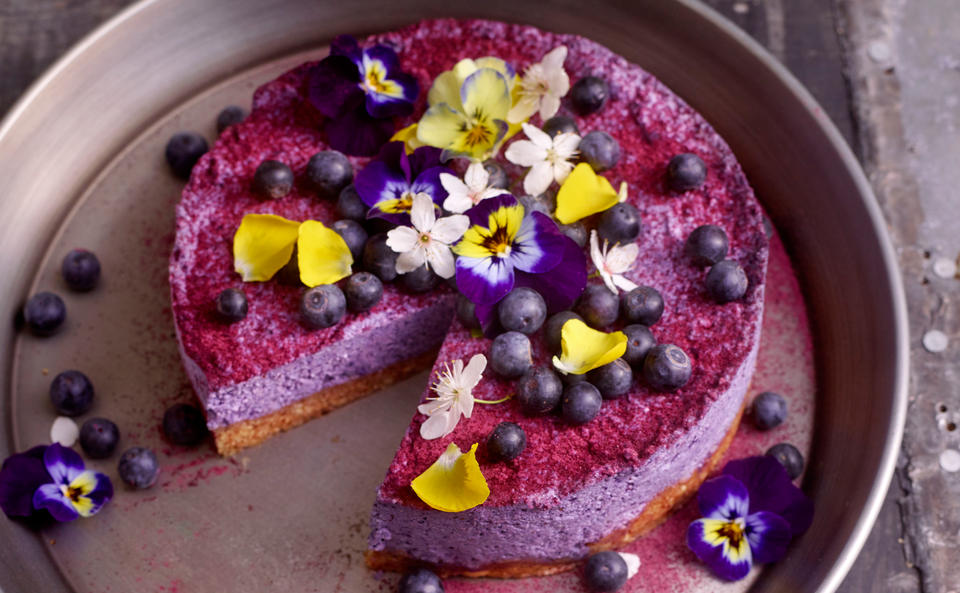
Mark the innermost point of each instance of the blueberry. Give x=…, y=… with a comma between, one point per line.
x=379, y=259
x=575, y=231
x=183, y=424
x=600, y=149
x=539, y=391
x=362, y=290
x=272, y=180
x=506, y=442
x=686, y=171
x=353, y=234
x=522, y=310
x=81, y=270
x=498, y=175
x=99, y=438
x=768, y=410
x=589, y=94
x=581, y=403
x=605, y=571
x=289, y=274
x=322, y=306
x=642, y=305
x=71, y=393
x=598, y=306
x=541, y=204
x=329, y=172
x=639, y=341
x=560, y=124
x=138, y=467
x=789, y=457
x=666, y=367
x=183, y=151
x=230, y=116
x=619, y=224
x=467, y=312
x=350, y=205
x=554, y=326
x=44, y=313
x=510, y=355
x=420, y=280
x=420, y=580
x=726, y=282
x=232, y=305
x=706, y=245
x=612, y=380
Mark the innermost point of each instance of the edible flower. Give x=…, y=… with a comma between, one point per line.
x=583, y=348
x=73, y=491
x=264, y=243
x=408, y=136
x=388, y=183
x=428, y=240
x=541, y=87
x=454, y=482
x=454, y=389
x=584, y=193
x=750, y=514
x=612, y=262
x=360, y=91
x=463, y=195
x=468, y=109
x=548, y=158
x=20, y=476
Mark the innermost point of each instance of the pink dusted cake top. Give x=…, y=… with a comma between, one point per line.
x=652, y=125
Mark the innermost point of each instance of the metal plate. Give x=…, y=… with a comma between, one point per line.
x=91, y=109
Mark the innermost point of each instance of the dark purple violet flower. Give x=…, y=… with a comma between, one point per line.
x=73, y=490
x=20, y=476
x=388, y=183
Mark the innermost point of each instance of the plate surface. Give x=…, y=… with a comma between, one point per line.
x=803, y=173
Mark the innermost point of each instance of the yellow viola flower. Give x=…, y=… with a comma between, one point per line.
x=584, y=193
x=454, y=482
x=583, y=348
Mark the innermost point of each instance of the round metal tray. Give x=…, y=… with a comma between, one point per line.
x=100, y=104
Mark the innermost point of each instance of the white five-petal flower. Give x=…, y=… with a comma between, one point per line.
x=612, y=262
x=428, y=240
x=541, y=87
x=464, y=195
x=454, y=389
x=548, y=158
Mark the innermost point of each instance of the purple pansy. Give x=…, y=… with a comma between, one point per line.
x=20, y=476
x=73, y=490
x=750, y=514
x=388, y=183
x=360, y=91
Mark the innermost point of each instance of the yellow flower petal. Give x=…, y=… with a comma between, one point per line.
x=584, y=193
x=440, y=126
x=584, y=348
x=322, y=254
x=408, y=136
x=486, y=92
x=262, y=245
x=446, y=88
x=454, y=482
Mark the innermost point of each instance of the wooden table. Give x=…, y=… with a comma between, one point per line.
x=815, y=39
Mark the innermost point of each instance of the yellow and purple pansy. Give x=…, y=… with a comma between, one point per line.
x=389, y=182
x=750, y=514
x=360, y=91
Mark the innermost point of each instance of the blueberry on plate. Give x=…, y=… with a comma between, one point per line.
x=600, y=150
x=706, y=245
x=230, y=116
x=581, y=402
x=686, y=171
x=789, y=457
x=379, y=258
x=272, y=180
x=99, y=438
x=44, y=313
x=639, y=342
x=138, y=467
x=498, y=175
x=232, y=305
x=71, y=393
x=560, y=124
x=726, y=282
x=613, y=379
x=350, y=205
x=598, y=306
x=522, y=310
x=322, y=306
x=576, y=232
x=184, y=424
x=506, y=442
x=420, y=580
x=467, y=312
x=619, y=224
x=183, y=151
x=768, y=410
x=329, y=172
x=589, y=94
x=419, y=280
x=605, y=572
x=362, y=290
x=510, y=355
x=642, y=305
x=81, y=270
x=667, y=367
x=539, y=391
x=353, y=234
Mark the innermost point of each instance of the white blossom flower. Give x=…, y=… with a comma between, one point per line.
x=464, y=195
x=541, y=87
x=428, y=240
x=612, y=262
x=548, y=158
x=454, y=389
